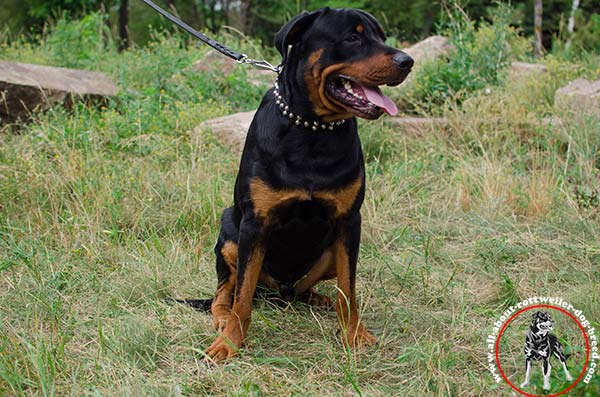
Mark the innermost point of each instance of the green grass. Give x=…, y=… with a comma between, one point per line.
x=105, y=212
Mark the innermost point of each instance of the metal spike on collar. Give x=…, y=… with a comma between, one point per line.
x=299, y=120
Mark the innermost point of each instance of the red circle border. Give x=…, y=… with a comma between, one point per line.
x=587, y=350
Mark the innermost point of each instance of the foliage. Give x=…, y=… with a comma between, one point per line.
x=78, y=43
x=477, y=61
x=405, y=19
x=41, y=9
x=587, y=35
x=106, y=211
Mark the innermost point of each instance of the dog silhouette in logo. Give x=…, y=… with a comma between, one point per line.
x=540, y=345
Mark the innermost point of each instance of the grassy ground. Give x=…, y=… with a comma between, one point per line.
x=105, y=212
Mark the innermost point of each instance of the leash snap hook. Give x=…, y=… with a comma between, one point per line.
x=259, y=64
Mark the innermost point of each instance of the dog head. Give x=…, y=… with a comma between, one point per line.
x=339, y=58
x=541, y=323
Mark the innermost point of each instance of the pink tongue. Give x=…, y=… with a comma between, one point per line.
x=375, y=96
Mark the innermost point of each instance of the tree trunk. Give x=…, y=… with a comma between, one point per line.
x=228, y=11
x=571, y=25
x=123, y=25
x=199, y=21
x=537, y=28
x=244, y=14
x=107, y=33
x=212, y=6
x=427, y=21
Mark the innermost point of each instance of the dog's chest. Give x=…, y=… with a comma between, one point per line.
x=334, y=203
x=536, y=344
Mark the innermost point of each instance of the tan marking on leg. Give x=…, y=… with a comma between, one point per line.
x=324, y=269
x=230, y=253
x=232, y=338
x=353, y=332
x=268, y=281
x=221, y=305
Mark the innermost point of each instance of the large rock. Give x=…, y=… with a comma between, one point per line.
x=431, y=48
x=230, y=130
x=25, y=87
x=581, y=96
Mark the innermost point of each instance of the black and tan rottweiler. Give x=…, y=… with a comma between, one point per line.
x=301, y=181
x=541, y=345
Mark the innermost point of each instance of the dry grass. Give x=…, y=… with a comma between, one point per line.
x=103, y=213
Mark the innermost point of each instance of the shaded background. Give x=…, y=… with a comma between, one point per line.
x=128, y=20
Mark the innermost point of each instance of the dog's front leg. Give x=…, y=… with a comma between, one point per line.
x=527, y=373
x=567, y=373
x=546, y=368
x=558, y=353
x=250, y=259
x=346, y=255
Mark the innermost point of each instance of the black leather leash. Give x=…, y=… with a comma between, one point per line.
x=237, y=56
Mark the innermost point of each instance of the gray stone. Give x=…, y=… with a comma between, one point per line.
x=213, y=61
x=418, y=126
x=230, y=130
x=431, y=48
x=26, y=87
x=526, y=70
x=580, y=96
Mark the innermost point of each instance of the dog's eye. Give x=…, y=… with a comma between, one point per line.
x=352, y=39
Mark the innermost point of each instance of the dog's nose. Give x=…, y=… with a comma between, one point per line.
x=404, y=61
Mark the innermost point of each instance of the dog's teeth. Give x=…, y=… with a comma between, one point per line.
x=347, y=86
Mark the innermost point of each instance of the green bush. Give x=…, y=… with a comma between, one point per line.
x=79, y=43
x=481, y=53
x=587, y=36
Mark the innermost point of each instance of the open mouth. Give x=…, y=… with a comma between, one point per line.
x=362, y=100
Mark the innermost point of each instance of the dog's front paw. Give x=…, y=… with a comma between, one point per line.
x=524, y=384
x=546, y=385
x=360, y=338
x=315, y=299
x=223, y=348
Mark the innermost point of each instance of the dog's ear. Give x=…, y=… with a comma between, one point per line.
x=291, y=32
x=534, y=315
